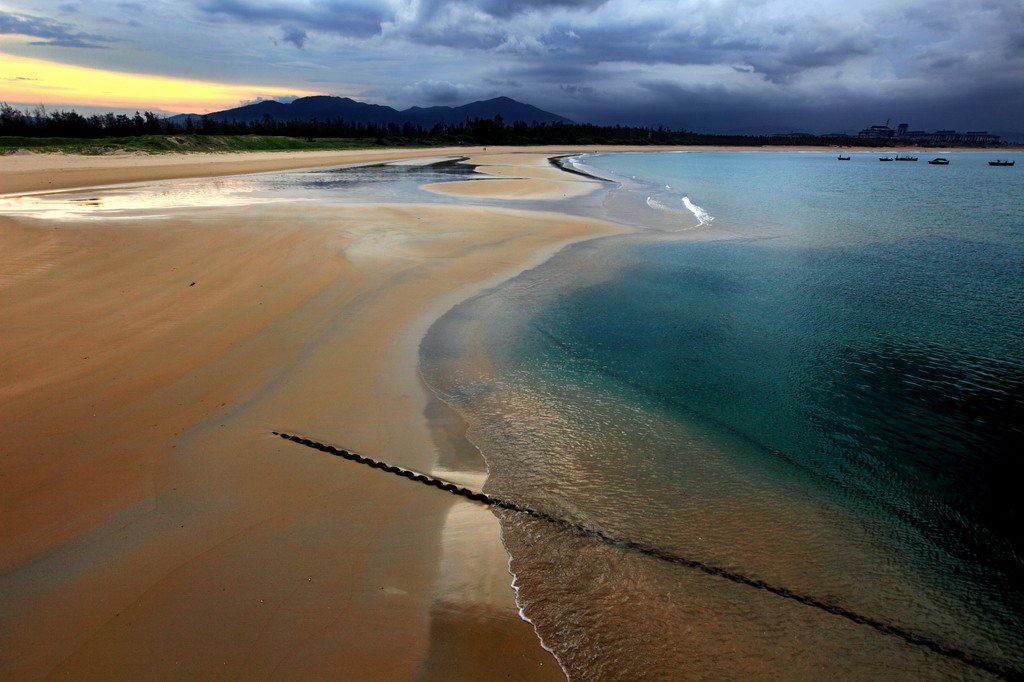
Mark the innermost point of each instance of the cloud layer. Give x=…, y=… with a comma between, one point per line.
x=706, y=65
x=55, y=33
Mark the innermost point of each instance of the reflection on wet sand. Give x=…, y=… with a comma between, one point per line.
x=131, y=201
x=472, y=632
x=358, y=182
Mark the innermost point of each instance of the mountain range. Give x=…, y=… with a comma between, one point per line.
x=325, y=108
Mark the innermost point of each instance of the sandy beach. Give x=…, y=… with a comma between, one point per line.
x=153, y=526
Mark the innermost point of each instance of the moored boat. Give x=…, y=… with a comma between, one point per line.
x=906, y=158
x=885, y=158
x=939, y=162
x=844, y=158
x=997, y=162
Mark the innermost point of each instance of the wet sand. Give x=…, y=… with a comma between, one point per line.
x=152, y=526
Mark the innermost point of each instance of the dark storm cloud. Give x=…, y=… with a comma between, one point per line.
x=946, y=62
x=465, y=24
x=349, y=19
x=557, y=73
x=437, y=92
x=488, y=24
x=643, y=42
x=503, y=83
x=457, y=31
x=295, y=36
x=781, y=65
x=780, y=41
x=577, y=89
x=728, y=64
x=778, y=54
x=780, y=51
x=715, y=108
x=504, y=9
x=508, y=8
x=711, y=108
x=53, y=32
x=1015, y=44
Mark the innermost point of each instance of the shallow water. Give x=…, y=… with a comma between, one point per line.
x=808, y=372
x=392, y=182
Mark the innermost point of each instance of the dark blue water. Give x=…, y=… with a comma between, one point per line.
x=819, y=380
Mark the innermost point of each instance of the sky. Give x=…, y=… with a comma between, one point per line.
x=743, y=66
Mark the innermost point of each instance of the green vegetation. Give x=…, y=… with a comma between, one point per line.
x=70, y=132
x=103, y=134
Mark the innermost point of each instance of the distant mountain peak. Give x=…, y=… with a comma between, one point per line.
x=331, y=108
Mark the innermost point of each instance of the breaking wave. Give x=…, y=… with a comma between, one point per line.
x=703, y=217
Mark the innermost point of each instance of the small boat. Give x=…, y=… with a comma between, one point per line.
x=844, y=158
x=885, y=158
x=1001, y=163
x=939, y=162
x=906, y=158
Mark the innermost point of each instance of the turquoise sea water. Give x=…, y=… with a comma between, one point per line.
x=805, y=371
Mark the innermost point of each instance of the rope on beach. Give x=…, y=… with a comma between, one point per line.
x=668, y=557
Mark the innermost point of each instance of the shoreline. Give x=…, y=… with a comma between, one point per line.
x=35, y=172
x=147, y=498
x=526, y=456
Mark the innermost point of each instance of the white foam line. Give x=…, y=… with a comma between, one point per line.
x=703, y=217
x=524, y=617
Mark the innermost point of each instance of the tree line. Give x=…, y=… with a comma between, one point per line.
x=43, y=123
x=494, y=131
x=478, y=131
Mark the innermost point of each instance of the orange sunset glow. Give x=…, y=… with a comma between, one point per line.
x=34, y=80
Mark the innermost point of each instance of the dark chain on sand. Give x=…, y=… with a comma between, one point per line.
x=668, y=557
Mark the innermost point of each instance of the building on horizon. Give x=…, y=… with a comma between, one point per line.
x=903, y=133
x=877, y=132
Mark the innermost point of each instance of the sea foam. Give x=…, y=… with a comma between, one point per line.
x=703, y=217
